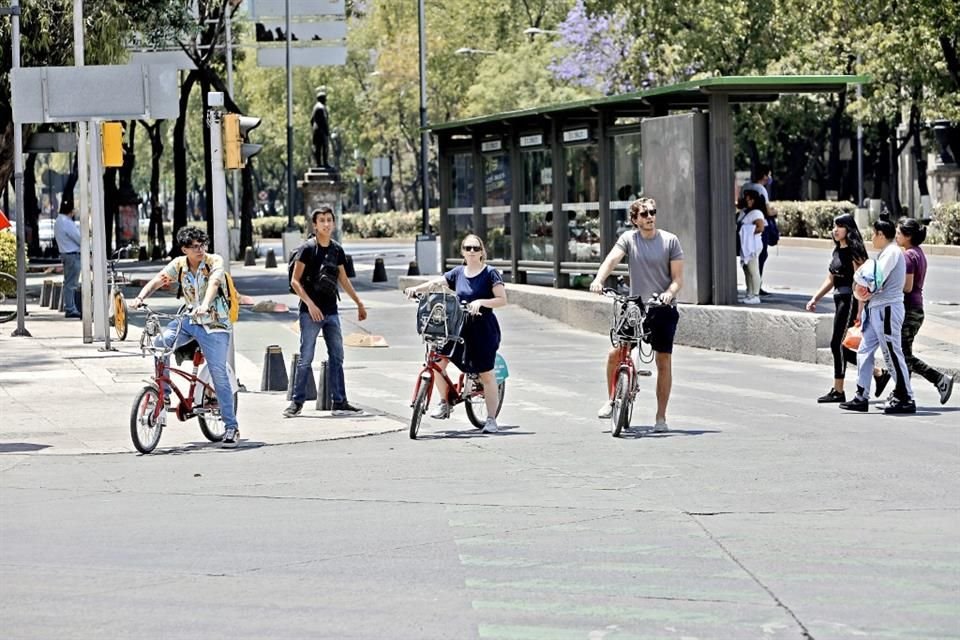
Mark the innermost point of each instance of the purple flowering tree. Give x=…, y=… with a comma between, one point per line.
x=596, y=50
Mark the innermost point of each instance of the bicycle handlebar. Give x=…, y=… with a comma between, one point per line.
x=654, y=300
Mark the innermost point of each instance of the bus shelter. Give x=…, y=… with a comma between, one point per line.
x=548, y=188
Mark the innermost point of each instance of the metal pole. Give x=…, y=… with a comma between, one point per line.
x=859, y=147
x=424, y=136
x=221, y=234
x=21, y=330
x=290, y=225
x=101, y=330
x=83, y=177
x=236, y=184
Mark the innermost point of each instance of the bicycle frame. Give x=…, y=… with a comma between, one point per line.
x=163, y=374
x=428, y=373
x=624, y=362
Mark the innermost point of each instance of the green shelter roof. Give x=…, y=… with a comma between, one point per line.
x=685, y=95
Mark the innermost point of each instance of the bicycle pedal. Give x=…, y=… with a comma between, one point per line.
x=646, y=373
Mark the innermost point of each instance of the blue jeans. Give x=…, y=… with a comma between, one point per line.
x=71, y=278
x=215, y=348
x=333, y=337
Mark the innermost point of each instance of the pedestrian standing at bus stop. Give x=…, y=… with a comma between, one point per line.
x=67, y=235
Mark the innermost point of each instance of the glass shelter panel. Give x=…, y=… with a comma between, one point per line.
x=581, y=203
x=627, y=179
x=536, y=208
x=496, y=206
x=461, y=200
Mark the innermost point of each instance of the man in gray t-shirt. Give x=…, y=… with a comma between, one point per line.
x=655, y=260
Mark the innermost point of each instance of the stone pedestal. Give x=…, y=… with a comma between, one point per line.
x=323, y=186
x=945, y=183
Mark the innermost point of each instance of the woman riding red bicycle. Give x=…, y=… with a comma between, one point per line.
x=480, y=287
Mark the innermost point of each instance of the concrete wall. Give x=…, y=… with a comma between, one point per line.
x=790, y=335
x=676, y=174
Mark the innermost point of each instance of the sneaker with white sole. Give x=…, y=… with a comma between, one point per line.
x=231, y=438
x=661, y=427
x=751, y=300
x=490, y=426
x=441, y=411
x=605, y=410
x=345, y=409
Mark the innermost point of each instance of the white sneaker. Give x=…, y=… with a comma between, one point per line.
x=490, y=426
x=661, y=427
x=945, y=387
x=441, y=411
x=606, y=410
x=751, y=300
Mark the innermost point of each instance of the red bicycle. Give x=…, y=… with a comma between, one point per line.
x=441, y=320
x=148, y=416
x=628, y=331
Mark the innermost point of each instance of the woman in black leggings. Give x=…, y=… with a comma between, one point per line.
x=848, y=254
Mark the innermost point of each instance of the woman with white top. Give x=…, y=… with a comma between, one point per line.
x=750, y=223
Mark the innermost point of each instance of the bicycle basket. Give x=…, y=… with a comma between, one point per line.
x=440, y=317
x=627, y=324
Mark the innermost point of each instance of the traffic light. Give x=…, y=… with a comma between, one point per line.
x=111, y=136
x=236, y=152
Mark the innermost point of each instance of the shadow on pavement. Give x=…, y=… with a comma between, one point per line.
x=635, y=433
x=21, y=447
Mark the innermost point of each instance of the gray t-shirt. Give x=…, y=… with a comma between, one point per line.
x=649, y=261
x=893, y=266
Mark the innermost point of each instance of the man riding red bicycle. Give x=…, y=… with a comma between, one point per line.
x=201, y=278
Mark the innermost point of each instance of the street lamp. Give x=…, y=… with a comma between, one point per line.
x=535, y=31
x=466, y=51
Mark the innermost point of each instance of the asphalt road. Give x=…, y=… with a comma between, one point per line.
x=759, y=515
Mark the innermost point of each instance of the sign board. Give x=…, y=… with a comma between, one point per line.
x=576, y=135
x=51, y=143
x=302, y=56
x=531, y=140
x=381, y=167
x=110, y=92
x=275, y=31
x=277, y=8
x=491, y=145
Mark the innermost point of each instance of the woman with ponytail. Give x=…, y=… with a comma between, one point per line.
x=910, y=235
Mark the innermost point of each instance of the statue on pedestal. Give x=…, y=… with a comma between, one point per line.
x=320, y=122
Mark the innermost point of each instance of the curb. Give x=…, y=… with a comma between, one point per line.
x=949, y=250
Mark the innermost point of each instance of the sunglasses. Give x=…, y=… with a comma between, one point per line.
x=471, y=247
x=645, y=214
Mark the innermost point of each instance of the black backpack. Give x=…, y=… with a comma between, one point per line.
x=323, y=283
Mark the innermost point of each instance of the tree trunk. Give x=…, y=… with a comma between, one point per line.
x=920, y=158
x=180, y=162
x=247, y=208
x=31, y=206
x=894, y=169
x=881, y=169
x=155, y=238
x=109, y=205
x=836, y=129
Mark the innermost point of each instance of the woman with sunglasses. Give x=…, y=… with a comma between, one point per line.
x=910, y=235
x=480, y=287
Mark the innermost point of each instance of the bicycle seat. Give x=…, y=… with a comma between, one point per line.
x=186, y=351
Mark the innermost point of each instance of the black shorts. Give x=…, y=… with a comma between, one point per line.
x=662, y=323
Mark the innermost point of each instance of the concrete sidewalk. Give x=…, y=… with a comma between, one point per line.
x=59, y=396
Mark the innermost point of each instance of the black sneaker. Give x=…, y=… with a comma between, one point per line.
x=832, y=396
x=765, y=293
x=857, y=404
x=896, y=405
x=945, y=387
x=881, y=383
x=293, y=410
x=345, y=409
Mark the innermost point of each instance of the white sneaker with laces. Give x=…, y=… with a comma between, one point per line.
x=606, y=410
x=490, y=426
x=945, y=387
x=751, y=300
x=231, y=438
x=441, y=411
x=661, y=427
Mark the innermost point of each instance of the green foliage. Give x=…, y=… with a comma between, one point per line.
x=390, y=224
x=813, y=219
x=945, y=227
x=8, y=253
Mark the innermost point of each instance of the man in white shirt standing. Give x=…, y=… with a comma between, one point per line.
x=881, y=322
x=67, y=235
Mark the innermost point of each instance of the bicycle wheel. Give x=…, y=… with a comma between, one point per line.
x=211, y=424
x=419, y=407
x=476, y=404
x=144, y=427
x=622, y=401
x=8, y=297
x=120, y=315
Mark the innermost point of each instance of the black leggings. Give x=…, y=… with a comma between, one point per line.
x=842, y=319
